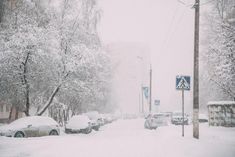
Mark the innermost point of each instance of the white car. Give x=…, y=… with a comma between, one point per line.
x=33, y=126
x=203, y=118
x=108, y=118
x=96, y=119
x=154, y=120
x=79, y=124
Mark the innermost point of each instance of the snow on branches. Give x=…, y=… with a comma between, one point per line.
x=50, y=48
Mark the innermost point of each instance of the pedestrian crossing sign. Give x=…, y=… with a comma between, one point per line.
x=183, y=82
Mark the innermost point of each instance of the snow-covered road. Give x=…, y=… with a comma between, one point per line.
x=127, y=138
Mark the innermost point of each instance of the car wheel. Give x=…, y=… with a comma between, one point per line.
x=53, y=133
x=19, y=134
x=96, y=128
x=145, y=125
x=88, y=130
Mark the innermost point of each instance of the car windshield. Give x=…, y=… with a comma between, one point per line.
x=158, y=116
x=177, y=114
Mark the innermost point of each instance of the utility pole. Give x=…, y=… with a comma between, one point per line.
x=183, y=112
x=142, y=99
x=139, y=103
x=196, y=73
x=150, y=90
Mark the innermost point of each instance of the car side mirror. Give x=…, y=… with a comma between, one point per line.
x=30, y=125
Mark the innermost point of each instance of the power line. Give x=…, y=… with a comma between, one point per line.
x=171, y=32
x=193, y=5
x=176, y=26
x=169, y=29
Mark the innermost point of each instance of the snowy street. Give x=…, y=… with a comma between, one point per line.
x=126, y=138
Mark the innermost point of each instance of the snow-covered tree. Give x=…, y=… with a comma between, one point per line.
x=22, y=52
x=52, y=50
x=75, y=40
x=219, y=49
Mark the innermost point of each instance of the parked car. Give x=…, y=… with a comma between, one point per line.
x=33, y=126
x=96, y=119
x=79, y=124
x=203, y=118
x=154, y=120
x=177, y=118
x=108, y=118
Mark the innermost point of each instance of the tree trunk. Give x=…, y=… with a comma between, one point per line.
x=48, y=103
x=26, y=84
x=17, y=113
x=10, y=114
x=1, y=10
x=27, y=100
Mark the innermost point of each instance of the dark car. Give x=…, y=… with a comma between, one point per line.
x=177, y=118
x=154, y=120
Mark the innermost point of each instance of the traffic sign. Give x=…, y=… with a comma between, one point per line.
x=183, y=82
x=146, y=92
x=157, y=102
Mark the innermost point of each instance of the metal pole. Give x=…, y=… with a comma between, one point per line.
x=142, y=98
x=139, y=104
x=150, y=90
x=196, y=73
x=183, y=112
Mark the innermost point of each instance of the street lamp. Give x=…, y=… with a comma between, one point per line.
x=141, y=99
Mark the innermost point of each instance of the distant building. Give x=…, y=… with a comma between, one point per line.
x=130, y=75
x=4, y=112
x=9, y=113
x=221, y=113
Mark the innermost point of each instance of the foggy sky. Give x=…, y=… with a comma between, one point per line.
x=166, y=28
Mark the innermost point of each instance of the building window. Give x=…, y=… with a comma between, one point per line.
x=1, y=108
x=7, y=108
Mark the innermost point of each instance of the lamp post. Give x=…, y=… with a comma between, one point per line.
x=141, y=99
x=196, y=73
x=150, y=89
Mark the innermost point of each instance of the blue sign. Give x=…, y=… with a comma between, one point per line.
x=183, y=82
x=146, y=92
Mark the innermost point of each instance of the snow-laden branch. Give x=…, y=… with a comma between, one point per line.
x=48, y=103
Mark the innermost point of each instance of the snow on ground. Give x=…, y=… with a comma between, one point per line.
x=127, y=138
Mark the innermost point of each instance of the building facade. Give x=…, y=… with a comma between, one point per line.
x=4, y=112
x=9, y=113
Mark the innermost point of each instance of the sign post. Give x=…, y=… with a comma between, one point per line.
x=145, y=94
x=183, y=112
x=156, y=102
x=183, y=83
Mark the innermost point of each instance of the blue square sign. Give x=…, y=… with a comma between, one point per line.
x=183, y=82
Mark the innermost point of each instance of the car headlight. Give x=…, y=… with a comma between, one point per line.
x=8, y=133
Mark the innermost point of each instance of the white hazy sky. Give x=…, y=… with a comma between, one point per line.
x=167, y=28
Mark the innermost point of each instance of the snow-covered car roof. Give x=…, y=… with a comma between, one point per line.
x=32, y=120
x=93, y=115
x=221, y=103
x=78, y=122
x=203, y=116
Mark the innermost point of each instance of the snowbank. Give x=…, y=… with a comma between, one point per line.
x=127, y=138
